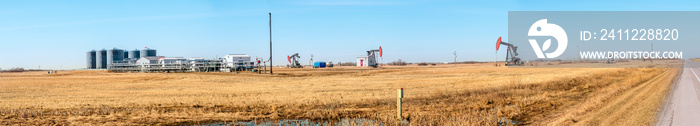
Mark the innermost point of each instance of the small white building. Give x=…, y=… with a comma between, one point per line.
x=362, y=61
x=234, y=60
x=160, y=60
x=172, y=60
x=195, y=59
x=148, y=60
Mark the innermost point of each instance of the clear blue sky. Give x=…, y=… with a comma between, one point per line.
x=56, y=34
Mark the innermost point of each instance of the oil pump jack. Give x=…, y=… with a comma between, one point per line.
x=512, y=51
x=294, y=57
x=372, y=58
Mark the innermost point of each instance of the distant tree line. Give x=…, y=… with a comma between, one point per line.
x=16, y=69
x=347, y=64
x=399, y=63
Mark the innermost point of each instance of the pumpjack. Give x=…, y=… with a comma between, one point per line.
x=372, y=56
x=294, y=58
x=512, y=52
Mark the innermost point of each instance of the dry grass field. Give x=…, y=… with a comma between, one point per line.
x=696, y=59
x=470, y=94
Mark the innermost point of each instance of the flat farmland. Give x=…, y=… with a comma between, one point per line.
x=469, y=94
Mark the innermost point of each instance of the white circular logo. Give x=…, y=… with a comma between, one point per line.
x=542, y=28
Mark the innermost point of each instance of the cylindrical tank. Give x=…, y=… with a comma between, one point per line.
x=101, y=59
x=126, y=54
x=148, y=52
x=135, y=54
x=91, y=63
x=114, y=55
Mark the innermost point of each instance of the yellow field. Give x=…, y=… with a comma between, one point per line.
x=696, y=60
x=477, y=94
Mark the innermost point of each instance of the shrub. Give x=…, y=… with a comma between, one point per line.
x=16, y=69
x=347, y=64
x=399, y=63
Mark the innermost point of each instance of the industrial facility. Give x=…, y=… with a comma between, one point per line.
x=103, y=59
x=146, y=60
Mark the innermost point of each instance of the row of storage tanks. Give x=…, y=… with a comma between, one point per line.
x=104, y=58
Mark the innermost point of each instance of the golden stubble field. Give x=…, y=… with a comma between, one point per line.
x=470, y=94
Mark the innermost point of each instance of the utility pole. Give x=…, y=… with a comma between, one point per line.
x=270, y=42
x=311, y=61
x=455, y=59
x=579, y=54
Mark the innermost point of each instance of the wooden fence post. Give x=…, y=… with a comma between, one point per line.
x=398, y=104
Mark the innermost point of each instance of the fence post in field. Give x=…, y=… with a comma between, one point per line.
x=398, y=104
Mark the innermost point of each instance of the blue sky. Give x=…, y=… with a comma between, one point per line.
x=56, y=34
